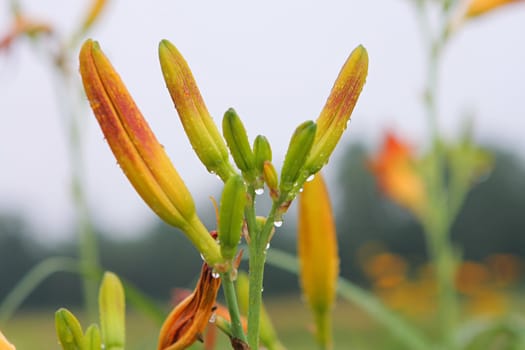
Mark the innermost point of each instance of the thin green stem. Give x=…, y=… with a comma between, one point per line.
x=233, y=307
x=33, y=279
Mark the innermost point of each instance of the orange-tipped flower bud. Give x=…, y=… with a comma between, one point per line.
x=196, y=120
x=336, y=113
x=318, y=258
x=139, y=154
x=186, y=323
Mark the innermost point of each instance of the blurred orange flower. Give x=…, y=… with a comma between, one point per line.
x=479, y=7
x=24, y=26
x=188, y=320
x=396, y=173
x=5, y=344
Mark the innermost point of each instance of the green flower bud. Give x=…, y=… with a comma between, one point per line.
x=231, y=215
x=196, y=120
x=237, y=141
x=112, y=311
x=92, y=339
x=298, y=150
x=262, y=152
x=68, y=329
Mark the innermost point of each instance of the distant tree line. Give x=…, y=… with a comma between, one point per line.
x=493, y=220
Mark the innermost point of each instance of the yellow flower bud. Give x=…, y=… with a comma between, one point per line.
x=196, y=120
x=479, y=7
x=139, y=154
x=92, y=339
x=336, y=113
x=318, y=258
x=112, y=311
x=270, y=177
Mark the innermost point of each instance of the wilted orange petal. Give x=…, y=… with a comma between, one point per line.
x=317, y=250
x=186, y=323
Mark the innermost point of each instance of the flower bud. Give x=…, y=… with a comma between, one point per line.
x=262, y=152
x=231, y=215
x=336, y=113
x=270, y=177
x=237, y=141
x=112, y=311
x=196, y=120
x=92, y=339
x=139, y=154
x=68, y=330
x=480, y=7
x=318, y=258
x=298, y=150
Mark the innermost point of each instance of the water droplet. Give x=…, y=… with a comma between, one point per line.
x=301, y=190
x=262, y=289
x=215, y=274
x=213, y=317
x=267, y=246
x=259, y=191
x=278, y=223
x=218, y=177
x=202, y=257
x=310, y=178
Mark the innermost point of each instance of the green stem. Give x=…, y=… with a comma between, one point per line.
x=33, y=279
x=406, y=333
x=257, y=249
x=233, y=307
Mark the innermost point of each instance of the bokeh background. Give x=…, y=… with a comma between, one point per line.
x=275, y=64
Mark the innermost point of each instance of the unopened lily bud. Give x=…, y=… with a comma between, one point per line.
x=231, y=215
x=237, y=141
x=112, y=311
x=336, y=113
x=68, y=330
x=480, y=7
x=298, y=151
x=318, y=258
x=139, y=154
x=196, y=120
x=262, y=152
x=271, y=180
x=92, y=339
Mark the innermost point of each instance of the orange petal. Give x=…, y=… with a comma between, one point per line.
x=317, y=250
x=5, y=344
x=186, y=323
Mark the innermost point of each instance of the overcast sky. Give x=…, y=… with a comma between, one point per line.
x=274, y=62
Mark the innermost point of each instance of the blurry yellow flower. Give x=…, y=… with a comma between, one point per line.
x=139, y=154
x=188, y=320
x=5, y=344
x=318, y=258
x=394, y=168
x=479, y=7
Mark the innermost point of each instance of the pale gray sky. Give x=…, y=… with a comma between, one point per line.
x=274, y=62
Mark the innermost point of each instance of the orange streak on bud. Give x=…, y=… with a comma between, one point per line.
x=397, y=175
x=196, y=120
x=139, y=154
x=479, y=7
x=188, y=320
x=318, y=257
x=336, y=113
